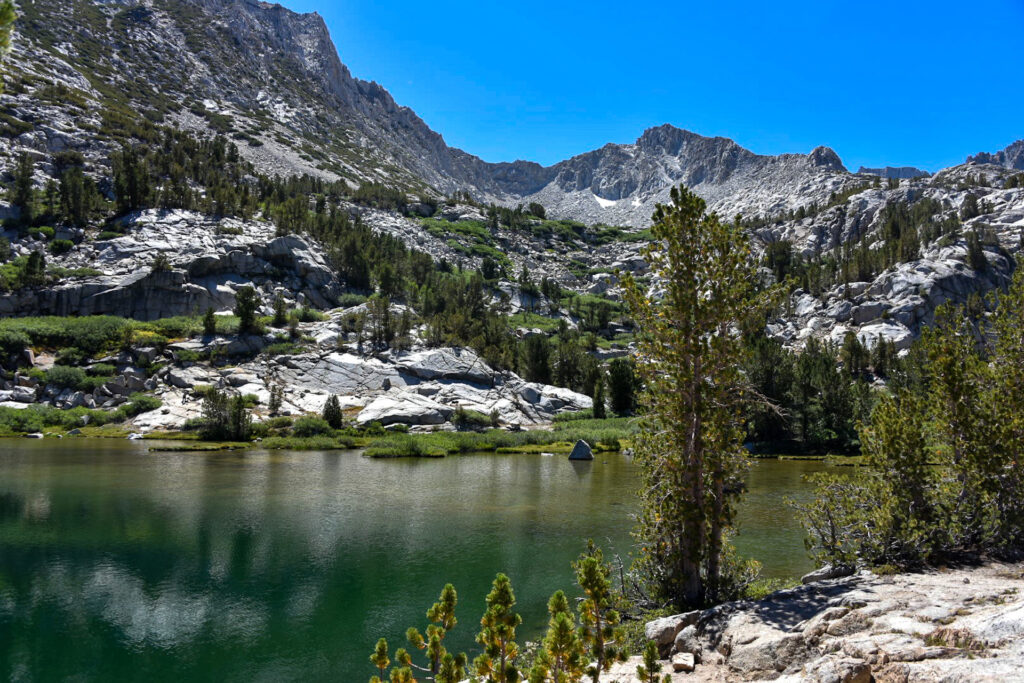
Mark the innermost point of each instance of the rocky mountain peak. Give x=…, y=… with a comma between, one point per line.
x=273, y=79
x=825, y=157
x=1011, y=157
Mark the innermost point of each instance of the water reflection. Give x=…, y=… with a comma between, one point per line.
x=120, y=564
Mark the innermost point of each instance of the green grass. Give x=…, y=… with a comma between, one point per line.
x=621, y=340
x=531, y=320
x=601, y=434
x=68, y=273
x=322, y=442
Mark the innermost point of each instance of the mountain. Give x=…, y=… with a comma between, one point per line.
x=902, y=173
x=272, y=79
x=87, y=76
x=1011, y=157
x=874, y=260
x=620, y=184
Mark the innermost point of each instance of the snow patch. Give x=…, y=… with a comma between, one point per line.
x=605, y=203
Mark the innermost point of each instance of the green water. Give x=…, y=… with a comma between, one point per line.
x=118, y=564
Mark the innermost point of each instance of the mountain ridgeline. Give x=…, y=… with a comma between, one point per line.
x=272, y=79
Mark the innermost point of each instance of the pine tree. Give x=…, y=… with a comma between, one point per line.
x=691, y=443
x=280, y=312
x=34, y=273
x=8, y=15
x=332, y=413
x=246, y=303
x=536, y=359
x=276, y=399
x=23, y=196
x=599, y=408
x=442, y=618
x=621, y=386
x=561, y=655
x=239, y=420
x=75, y=199
x=379, y=659
x=498, y=635
x=598, y=620
x=216, y=418
x=651, y=667
x=209, y=323
x=975, y=253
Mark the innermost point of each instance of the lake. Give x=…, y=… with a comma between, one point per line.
x=121, y=564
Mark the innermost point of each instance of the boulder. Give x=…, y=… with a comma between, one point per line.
x=867, y=312
x=687, y=642
x=581, y=451
x=683, y=662
x=827, y=572
x=22, y=394
x=663, y=631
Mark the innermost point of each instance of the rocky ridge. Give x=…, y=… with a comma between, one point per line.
x=208, y=259
x=958, y=624
x=272, y=79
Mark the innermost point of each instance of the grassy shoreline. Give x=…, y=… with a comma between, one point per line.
x=607, y=435
x=604, y=436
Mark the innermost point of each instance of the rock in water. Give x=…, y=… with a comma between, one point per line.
x=581, y=451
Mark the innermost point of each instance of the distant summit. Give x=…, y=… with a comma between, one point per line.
x=902, y=172
x=1011, y=157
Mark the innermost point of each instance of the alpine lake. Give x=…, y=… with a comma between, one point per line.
x=117, y=563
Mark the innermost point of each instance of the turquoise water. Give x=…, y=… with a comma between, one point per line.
x=119, y=564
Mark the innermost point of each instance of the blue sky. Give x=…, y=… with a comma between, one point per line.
x=883, y=83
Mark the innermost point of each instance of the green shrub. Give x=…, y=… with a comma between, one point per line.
x=107, y=235
x=45, y=232
x=469, y=419
x=283, y=422
x=58, y=247
x=65, y=377
x=72, y=356
x=310, y=315
x=308, y=426
x=203, y=390
x=101, y=370
x=13, y=341
x=349, y=300
x=187, y=356
x=91, y=383
x=91, y=334
x=138, y=404
x=37, y=418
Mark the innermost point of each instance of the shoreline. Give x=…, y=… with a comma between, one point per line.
x=190, y=443
x=945, y=623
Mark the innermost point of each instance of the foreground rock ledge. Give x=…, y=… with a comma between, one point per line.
x=963, y=624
